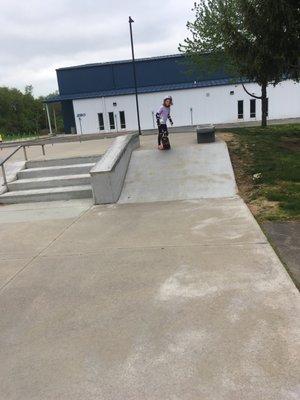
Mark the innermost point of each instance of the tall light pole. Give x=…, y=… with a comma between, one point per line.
x=134, y=76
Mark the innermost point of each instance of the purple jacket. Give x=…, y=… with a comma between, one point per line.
x=163, y=113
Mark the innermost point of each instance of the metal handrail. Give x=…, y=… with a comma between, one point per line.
x=67, y=138
x=2, y=162
x=47, y=141
x=10, y=155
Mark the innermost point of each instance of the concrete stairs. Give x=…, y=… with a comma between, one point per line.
x=49, y=180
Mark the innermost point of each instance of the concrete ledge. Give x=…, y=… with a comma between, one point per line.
x=206, y=133
x=107, y=176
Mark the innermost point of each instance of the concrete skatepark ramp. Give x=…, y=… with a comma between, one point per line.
x=183, y=173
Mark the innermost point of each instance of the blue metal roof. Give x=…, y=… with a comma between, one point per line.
x=147, y=89
x=156, y=74
x=117, y=77
x=120, y=62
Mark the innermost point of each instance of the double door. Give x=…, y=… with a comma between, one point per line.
x=114, y=122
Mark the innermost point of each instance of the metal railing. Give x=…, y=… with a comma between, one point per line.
x=50, y=140
x=2, y=162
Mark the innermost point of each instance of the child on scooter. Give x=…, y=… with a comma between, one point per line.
x=162, y=115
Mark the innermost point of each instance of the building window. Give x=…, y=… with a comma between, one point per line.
x=111, y=121
x=122, y=120
x=252, y=108
x=101, y=122
x=240, y=109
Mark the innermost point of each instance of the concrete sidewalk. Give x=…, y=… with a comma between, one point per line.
x=167, y=300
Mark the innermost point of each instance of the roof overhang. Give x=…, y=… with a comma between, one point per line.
x=144, y=90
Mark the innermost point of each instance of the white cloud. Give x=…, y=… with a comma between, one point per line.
x=37, y=37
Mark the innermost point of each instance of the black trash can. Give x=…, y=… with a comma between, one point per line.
x=206, y=133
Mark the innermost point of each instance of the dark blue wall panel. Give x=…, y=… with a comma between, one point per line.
x=119, y=75
x=123, y=74
x=162, y=72
x=83, y=80
x=68, y=115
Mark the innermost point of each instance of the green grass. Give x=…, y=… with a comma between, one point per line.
x=13, y=136
x=271, y=157
x=18, y=136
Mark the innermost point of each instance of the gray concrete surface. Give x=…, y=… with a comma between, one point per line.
x=180, y=223
x=285, y=237
x=26, y=229
x=164, y=300
x=47, y=194
x=49, y=180
x=55, y=170
x=189, y=302
x=63, y=161
x=189, y=172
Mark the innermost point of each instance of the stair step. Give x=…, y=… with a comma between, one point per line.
x=49, y=182
x=55, y=171
x=49, y=194
x=63, y=161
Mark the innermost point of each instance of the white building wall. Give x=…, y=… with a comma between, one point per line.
x=209, y=105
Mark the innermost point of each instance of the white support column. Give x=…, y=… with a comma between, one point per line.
x=54, y=117
x=49, y=120
x=106, y=120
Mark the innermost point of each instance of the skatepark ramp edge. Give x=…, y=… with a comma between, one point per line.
x=108, y=175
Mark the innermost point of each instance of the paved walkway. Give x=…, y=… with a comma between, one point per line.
x=168, y=300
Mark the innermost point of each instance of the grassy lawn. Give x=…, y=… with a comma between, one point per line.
x=267, y=168
x=11, y=137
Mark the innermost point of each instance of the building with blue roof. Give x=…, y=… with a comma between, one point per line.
x=100, y=97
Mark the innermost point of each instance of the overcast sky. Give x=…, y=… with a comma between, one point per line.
x=39, y=36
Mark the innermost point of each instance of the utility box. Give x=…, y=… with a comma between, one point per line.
x=206, y=133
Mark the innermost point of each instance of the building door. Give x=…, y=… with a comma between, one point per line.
x=112, y=121
x=122, y=120
x=101, y=122
x=116, y=121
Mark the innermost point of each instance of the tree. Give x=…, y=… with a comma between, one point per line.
x=258, y=40
x=20, y=113
x=28, y=89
